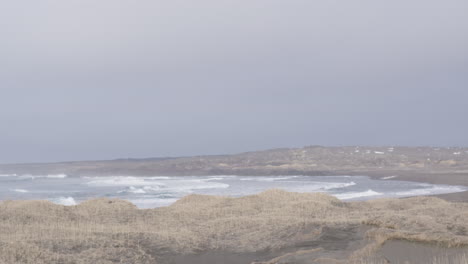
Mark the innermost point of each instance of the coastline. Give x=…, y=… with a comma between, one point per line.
x=274, y=227
x=446, y=178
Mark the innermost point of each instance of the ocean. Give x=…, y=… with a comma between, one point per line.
x=157, y=191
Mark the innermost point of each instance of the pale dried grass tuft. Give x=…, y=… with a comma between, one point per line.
x=115, y=231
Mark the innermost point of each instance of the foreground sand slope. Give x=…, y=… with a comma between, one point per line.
x=272, y=227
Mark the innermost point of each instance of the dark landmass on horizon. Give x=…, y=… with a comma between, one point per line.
x=311, y=160
x=436, y=165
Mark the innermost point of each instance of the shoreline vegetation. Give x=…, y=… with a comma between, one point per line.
x=272, y=227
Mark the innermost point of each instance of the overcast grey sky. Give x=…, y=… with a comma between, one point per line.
x=104, y=79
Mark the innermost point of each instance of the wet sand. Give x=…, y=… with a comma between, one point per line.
x=399, y=251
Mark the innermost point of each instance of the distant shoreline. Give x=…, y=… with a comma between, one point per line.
x=434, y=165
x=447, y=178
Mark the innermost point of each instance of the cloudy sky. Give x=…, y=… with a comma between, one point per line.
x=87, y=79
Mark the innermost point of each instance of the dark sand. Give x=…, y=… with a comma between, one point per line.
x=224, y=257
x=333, y=243
x=398, y=251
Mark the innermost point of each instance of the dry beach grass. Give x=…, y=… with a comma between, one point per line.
x=316, y=228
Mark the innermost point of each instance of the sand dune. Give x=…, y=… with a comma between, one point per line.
x=314, y=228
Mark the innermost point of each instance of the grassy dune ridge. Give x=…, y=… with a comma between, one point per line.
x=115, y=231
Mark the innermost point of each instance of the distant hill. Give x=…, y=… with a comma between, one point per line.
x=311, y=160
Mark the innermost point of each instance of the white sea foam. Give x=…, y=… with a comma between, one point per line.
x=149, y=192
x=215, y=179
x=355, y=195
x=8, y=175
x=174, y=184
x=388, y=177
x=57, y=176
x=145, y=189
x=320, y=186
x=219, y=178
x=194, y=184
x=50, y=176
x=20, y=190
x=267, y=179
x=67, y=201
x=136, y=190
x=337, y=185
x=125, y=181
x=431, y=190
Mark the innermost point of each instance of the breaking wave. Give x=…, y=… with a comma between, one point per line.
x=149, y=192
x=268, y=179
x=67, y=201
x=431, y=190
x=320, y=186
x=150, y=184
x=50, y=176
x=388, y=177
x=20, y=190
x=8, y=175
x=356, y=195
x=145, y=189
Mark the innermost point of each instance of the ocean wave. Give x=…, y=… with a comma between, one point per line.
x=50, y=176
x=194, y=184
x=308, y=186
x=145, y=184
x=215, y=179
x=338, y=185
x=56, y=176
x=8, y=175
x=20, y=190
x=145, y=189
x=354, y=195
x=125, y=181
x=67, y=201
x=431, y=190
x=268, y=179
x=219, y=178
x=136, y=190
x=128, y=176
